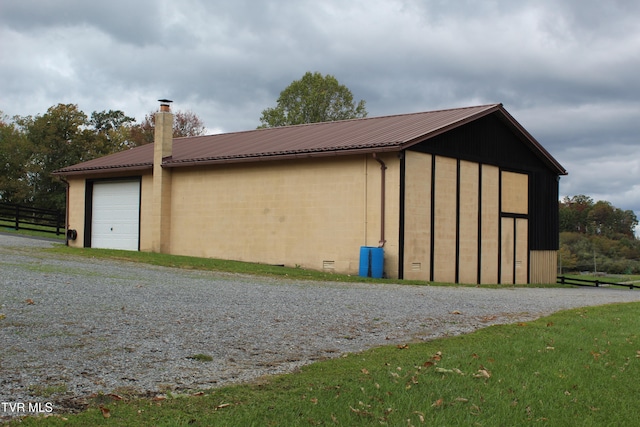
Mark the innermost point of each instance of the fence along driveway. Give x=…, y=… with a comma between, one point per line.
x=21, y=217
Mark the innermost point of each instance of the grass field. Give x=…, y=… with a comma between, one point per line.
x=578, y=367
x=7, y=227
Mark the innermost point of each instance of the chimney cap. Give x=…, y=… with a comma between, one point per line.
x=165, y=101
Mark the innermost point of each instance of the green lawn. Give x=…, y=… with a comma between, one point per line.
x=8, y=227
x=210, y=264
x=613, y=278
x=577, y=367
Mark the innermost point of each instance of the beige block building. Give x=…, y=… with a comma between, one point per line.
x=463, y=195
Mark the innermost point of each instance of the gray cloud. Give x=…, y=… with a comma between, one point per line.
x=565, y=69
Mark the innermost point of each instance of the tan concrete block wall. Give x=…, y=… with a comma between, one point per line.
x=515, y=192
x=444, y=259
x=392, y=210
x=146, y=209
x=315, y=213
x=417, y=229
x=490, y=223
x=468, y=240
x=76, y=210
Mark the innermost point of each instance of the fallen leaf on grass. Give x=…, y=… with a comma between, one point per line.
x=29, y=301
x=435, y=358
x=105, y=411
x=115, y=396
x=364, y=371
x=482, y=373
x=449, y=371
x=222, y=405
x=438, y=403
x=403, y=346
x=456, y=312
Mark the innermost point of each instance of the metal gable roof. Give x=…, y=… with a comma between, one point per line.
x=376, y=134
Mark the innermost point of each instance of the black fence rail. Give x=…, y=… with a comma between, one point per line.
x=596, y=283
x=21, y=217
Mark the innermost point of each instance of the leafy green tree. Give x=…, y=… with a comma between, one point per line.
x=60, y=137
x=15, y=152
x=573, y=213
x=597, y=236
x=185, y=123
x=113, y=131
x=312, y=99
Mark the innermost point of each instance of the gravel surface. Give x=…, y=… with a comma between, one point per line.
x=71, y=327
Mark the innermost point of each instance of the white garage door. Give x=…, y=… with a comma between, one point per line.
x=115, y=215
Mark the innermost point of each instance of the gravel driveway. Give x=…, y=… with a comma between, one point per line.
x=76, y=326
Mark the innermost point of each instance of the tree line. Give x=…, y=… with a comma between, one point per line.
x=597, y=237
x=31, y=147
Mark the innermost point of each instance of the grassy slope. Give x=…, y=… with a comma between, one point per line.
x=575, y=367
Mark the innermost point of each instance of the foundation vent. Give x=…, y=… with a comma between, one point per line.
x=416, y=266
x=328, y=265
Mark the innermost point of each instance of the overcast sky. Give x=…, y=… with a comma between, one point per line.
x=567, y=70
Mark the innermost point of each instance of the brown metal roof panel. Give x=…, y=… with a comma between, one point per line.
x=338, y=135
x=137, y=156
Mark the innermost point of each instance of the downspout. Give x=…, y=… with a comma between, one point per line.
x=383, y=168
x=66, y=212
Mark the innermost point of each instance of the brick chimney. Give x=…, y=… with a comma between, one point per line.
x=162, y=148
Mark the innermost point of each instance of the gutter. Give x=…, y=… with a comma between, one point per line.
x=383, y=168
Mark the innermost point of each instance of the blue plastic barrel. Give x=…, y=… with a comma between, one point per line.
x=371, y=262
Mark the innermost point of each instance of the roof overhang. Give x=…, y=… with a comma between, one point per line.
x=103, y=170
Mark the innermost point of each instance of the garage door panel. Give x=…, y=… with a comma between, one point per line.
x=115, y=222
